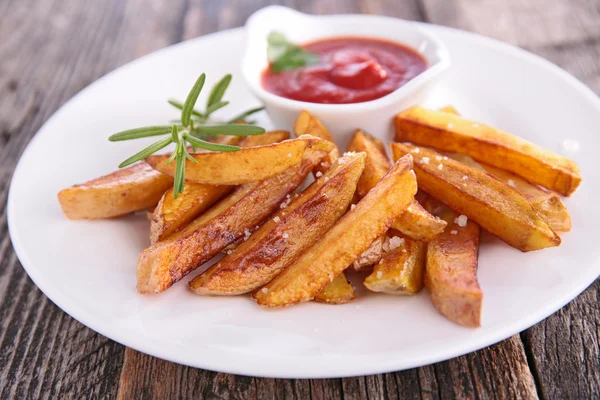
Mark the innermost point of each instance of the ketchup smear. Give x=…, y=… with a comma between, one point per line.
x=350, y=70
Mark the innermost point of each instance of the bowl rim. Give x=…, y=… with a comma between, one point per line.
x=429, y=74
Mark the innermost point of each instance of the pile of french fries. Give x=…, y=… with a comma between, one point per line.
x=405, y=224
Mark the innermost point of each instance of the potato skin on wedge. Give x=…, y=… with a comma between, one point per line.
x=496, y=206
x=449, y=132
x=246, y=165
x=173, y=213
x=451, y=269
x=135, y=188
x=343, y=243
x=285, y=235
x=339, y=291
x=415, y=222
x=166, y=262
x=400, y=271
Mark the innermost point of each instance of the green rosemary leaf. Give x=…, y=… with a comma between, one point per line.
x=179, y=105
x=189, y=157
x=242, y=116
x=179, y=170
x=230, y=129
x=191, y=99
x=217, y=92
x=286, y=56
x=214, y=107
x=174, y=134
x=171, y=158
x=153, y=148
x=137, y=133
x=209, y=145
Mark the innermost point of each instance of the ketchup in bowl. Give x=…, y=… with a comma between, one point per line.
x=350, y=70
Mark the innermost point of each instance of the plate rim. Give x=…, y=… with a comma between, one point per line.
x=265, y=369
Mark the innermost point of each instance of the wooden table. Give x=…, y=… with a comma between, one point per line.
x=51, y=49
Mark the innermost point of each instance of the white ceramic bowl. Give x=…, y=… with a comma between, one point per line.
x=374, y=116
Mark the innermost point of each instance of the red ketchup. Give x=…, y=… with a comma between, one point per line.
x=350, y=70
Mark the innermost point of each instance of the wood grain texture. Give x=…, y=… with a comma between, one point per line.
x=51, y=49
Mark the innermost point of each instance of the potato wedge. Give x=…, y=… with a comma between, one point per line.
x=418, y=224
x=339, y=291
x=173, y=213
x=451, y=269
x=549, y=205
x=400, y=271
x=493, y=204
x=281, y=240
x=246, y=165
x=343, y=243
x=376, y=165
x=307, y=124
x=135, y=188
x=415, y=222
x=166, y=262
x=448, y=132
x=370, y=256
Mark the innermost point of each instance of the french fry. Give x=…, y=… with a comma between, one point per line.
x=549, y=205
x=418, y=224
x=370, y=256
x=451, y=269
x=307, y=124
x=339, y=291
x=246, y=165
x=400, y=271
x=135, y=188
x=343, y=243
x=173, y=213
x=493, y=204
x=166, y=262
x=286, y=235
x=449, y=132
x=415, y=222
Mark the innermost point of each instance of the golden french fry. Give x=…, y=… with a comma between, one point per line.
x=400, y=271
x=246, y=165
x=449, y=132
x=166, y=262
x=345, y=242
x=549, y=205
x=415, y=222
x=493, y=204
x=307, y=124
x=286, y=235
x=339, y=291
x=451, y=269
x=173, y=213
x=135, y=188
x=418, y=224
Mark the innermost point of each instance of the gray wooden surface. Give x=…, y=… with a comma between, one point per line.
x=51, y=49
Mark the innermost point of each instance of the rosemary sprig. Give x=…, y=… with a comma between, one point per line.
x=191, y=129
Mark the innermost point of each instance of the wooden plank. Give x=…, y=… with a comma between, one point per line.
x=525, y=23
x=564, y=349
x=50, y=50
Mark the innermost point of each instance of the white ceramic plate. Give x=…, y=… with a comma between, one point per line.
x=88, y=268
